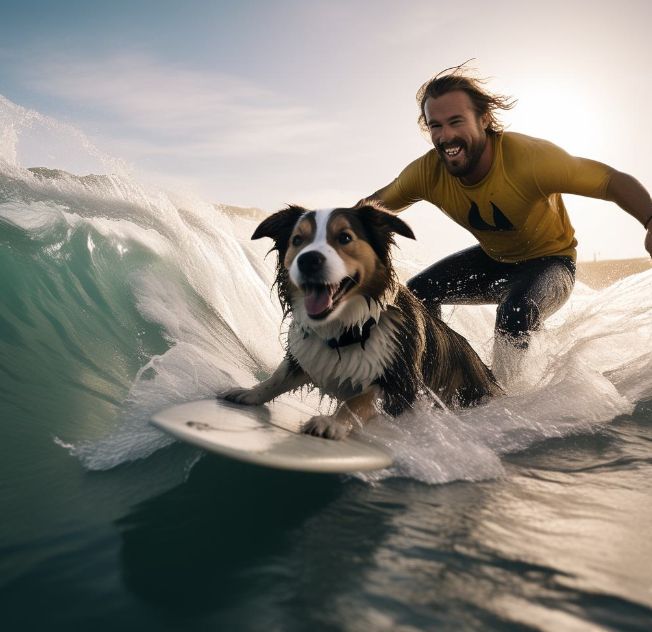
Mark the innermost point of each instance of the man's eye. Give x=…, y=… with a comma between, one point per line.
x=297, y=240
x=344, y=238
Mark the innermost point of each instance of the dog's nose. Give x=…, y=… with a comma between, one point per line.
x=311, y=262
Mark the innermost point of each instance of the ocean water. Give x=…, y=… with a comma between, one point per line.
x=533, y=512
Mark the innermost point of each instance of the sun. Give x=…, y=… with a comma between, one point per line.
x=565, y=113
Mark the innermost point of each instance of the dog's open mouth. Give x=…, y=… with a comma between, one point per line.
x=321, y=299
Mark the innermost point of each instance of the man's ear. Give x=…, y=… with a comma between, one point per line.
x=380, y=219
x=279, y=225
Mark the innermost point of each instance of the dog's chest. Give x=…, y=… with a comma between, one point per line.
x=344, y=371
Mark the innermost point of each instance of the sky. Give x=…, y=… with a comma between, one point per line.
x=262, y=103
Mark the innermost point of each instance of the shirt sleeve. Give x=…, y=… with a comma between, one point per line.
x=407, y=188
x=556, y=171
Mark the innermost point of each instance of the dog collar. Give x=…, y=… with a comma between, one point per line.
x=353, y=335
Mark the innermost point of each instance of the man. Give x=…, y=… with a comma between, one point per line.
x=505, y=188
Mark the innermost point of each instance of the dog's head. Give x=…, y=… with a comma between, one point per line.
x=326, y=258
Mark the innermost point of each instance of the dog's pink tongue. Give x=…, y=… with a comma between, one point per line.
x=317, y=300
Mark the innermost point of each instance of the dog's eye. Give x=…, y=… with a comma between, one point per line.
x=344, y=238
x=297, y=240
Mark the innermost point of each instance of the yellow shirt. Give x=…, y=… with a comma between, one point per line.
x=515, y=211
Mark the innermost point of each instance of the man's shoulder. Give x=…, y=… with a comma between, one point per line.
x=515, y=141
x=522, y=152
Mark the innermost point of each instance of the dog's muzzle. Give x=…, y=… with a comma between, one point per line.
x=320, y=296
x=310, y=264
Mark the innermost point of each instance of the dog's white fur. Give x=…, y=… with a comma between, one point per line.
x=350, y=370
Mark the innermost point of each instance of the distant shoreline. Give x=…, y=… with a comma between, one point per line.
x=601, y=274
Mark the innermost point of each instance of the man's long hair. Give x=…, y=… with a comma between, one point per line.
x=457, y=78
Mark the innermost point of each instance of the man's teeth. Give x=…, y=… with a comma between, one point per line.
x=453, y=151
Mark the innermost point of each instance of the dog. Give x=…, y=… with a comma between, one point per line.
x=355, y=332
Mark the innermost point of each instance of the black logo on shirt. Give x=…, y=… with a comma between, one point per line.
x=501, y=223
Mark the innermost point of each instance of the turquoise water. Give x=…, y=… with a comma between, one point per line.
x=533, y=512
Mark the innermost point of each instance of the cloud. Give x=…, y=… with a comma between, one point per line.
x=167, y=107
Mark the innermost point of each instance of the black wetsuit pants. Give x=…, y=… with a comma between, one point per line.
x=526, y=292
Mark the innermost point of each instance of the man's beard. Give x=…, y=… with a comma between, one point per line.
x=471, y=157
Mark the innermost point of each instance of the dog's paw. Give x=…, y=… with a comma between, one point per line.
x=327, y=427
x=248, y=396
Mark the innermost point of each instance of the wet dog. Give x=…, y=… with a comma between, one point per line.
x=355, y=332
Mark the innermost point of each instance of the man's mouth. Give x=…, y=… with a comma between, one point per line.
x=451, y=150
x=320, y=299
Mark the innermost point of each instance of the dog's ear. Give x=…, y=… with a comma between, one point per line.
x=279, y=225
x=382, y=220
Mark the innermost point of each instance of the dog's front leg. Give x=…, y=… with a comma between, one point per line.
x=287, y=377
x=354, y=412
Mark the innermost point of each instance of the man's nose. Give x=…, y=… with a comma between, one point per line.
x=443, y=135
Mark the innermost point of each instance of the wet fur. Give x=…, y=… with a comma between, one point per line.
x=435, y=357
x=429, y=356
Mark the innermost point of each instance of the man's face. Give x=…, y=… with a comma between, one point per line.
x=457, y=132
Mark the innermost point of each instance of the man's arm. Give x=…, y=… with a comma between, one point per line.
x=633, y=198
x=387, y=197
x=556, y=171
x=409, y=187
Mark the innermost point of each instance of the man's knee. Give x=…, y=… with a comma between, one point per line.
x=421, y=285
x=517, y=318
x=427, y=291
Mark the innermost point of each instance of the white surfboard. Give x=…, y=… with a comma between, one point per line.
x=269, y=435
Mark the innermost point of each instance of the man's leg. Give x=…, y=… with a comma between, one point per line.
x=537, y=289
x=467, y=277
x=526, y=293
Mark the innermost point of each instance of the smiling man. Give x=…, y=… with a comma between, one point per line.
x=505, y=188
